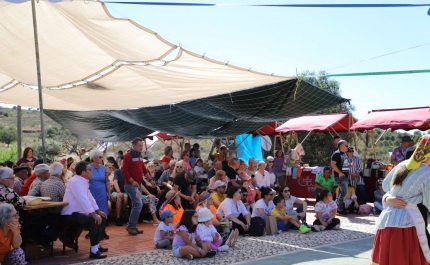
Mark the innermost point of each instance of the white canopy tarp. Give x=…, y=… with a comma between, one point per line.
x=79, y=40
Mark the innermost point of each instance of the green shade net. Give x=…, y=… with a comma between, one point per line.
x=217, y=116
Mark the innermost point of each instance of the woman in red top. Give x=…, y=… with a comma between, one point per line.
x=168, y=155
x=10, y=237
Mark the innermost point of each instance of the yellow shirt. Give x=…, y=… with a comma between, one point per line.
x=350, y=192
x=278, y=212
x=217, y=198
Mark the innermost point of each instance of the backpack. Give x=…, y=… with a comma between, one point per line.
x=365, y=209
x=258, y=226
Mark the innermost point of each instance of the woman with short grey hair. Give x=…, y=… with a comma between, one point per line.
x=10, y=232
x=7, y=194
x=99, y=182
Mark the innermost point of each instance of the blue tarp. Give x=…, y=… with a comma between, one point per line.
x=249, y=147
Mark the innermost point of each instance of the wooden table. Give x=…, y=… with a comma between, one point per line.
x=45, y=204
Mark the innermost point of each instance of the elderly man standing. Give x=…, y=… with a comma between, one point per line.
x=42, y=174
x=83, y=211
x=134, y=169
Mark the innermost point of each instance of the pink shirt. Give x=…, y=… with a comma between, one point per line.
x=79, y=197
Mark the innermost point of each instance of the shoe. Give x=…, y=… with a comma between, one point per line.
x=188, y=256
x=223, y=248
x=210, y=254
x=303, y=229
x=315, y=228
x=342, y=213
x=337, y=227
x=69, y=243
x=131, y=231
x=147, y=221
x=139, y=231
x=105, y=236
x=101, y=249
x=230, y=239
x=97, y=255
x=118, y=222
x=87, y=236
x=279, y=232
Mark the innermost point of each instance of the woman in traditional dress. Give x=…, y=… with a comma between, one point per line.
x=400, y=236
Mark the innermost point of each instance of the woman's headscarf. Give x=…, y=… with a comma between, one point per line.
x=421, y=153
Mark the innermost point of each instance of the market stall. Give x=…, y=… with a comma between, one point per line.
x=388, y=119
x=303, y=185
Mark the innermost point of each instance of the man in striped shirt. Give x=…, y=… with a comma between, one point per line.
x=355, y=175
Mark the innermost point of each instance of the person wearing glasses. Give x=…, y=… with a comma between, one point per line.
x=234, y=210
x=263, y=207
x=273, y=175
x=290, y=200
x=185, y=182
x=185, y=157
x=10, y=236
x=379, y=193
x=340, y=165
x=100, y=185
x=7, y=193
x=220, y=191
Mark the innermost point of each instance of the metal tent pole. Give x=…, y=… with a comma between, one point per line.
x=39, y=81
x=18, y=132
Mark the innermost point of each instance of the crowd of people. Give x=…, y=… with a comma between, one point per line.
x=193, y=220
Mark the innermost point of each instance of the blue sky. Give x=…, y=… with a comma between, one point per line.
x=281, y=40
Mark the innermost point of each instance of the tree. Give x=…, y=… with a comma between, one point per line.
x=8, y=135
x=53, y=149
x=317, y=145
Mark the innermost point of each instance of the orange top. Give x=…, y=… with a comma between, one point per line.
x=177, y=217
x=212, y=209
x=219, y=156
x=5, y=245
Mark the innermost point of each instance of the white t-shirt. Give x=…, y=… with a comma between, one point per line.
x=227, y=207
x=262, y=180
x=261, y=204
x=69, y=175
x=206, y=233
x=289, y=204
x=272, y=177
x=162, y=227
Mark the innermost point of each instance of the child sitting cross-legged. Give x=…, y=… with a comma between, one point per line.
x=325, y=210
x=207, y=232
x=163, y=236
x=183, y=245
x=283, y=220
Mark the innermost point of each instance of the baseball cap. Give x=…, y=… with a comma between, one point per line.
x=219, y=183
x=166, y=213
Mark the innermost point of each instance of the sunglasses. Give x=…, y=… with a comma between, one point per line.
x=271, y=162
x=244, y=194
x=286, y=191
x=222, y=187
x=178, y=166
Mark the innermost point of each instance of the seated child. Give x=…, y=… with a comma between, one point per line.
x=206, y=232
x=283, y=220
x=163, y=236
x=326, y=210
x=350, y=201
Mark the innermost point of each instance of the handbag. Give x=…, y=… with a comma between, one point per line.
x=271, y=226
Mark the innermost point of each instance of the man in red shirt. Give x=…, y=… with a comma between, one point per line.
x=134, y=169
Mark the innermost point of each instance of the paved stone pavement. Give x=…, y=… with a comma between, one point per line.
x=250, y=248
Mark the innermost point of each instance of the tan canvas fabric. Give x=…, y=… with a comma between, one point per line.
x=78, y=39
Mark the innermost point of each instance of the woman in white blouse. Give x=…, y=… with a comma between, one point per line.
x=262, y=178
x=263, y=207
x=233, y=209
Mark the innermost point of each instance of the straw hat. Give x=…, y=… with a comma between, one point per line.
x=204, y=196
x=171, y=195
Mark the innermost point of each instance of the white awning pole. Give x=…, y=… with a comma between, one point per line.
x=39, y=80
